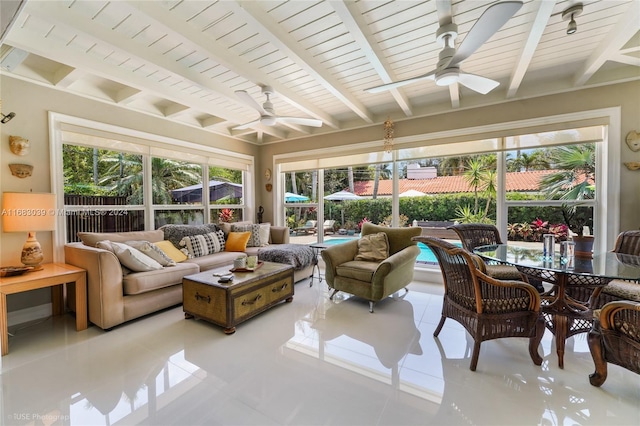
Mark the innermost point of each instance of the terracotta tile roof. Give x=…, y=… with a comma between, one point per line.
x=516, y=181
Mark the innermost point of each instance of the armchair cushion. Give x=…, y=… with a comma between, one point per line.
x=357, y=270
x=373, y=247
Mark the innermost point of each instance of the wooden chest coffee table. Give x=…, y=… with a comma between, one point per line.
x=229, y=304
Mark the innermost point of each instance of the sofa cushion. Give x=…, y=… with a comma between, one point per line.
x=152, y=251
x=175, y=233
x=130, y=257
x=254, y=228
x=170, y=250
x=373, y=247
x=143, y=282
x=237, y=241
x=265, y=234
x=202, y=245
x=91, y=238
x=224, y=258
x=226, y=227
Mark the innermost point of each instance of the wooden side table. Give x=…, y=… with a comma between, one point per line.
x=53, y=275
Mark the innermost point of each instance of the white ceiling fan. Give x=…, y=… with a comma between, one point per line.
x=267, y=115
x=448, y=69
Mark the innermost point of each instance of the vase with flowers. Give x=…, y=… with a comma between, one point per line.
x=577, y=218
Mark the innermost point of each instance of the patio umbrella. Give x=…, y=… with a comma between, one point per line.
x=290, y=197
x=412, y=193
x=341, y=196
x=217, y=190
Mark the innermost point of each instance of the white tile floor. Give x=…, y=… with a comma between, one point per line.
x=309, y=362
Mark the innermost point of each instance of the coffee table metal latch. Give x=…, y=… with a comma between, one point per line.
x=277, y=290
x=251, y=302
x=205, y=298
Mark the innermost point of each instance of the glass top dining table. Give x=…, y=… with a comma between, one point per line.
x=564, y=315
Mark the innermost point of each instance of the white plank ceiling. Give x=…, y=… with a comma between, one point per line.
x=182, y=60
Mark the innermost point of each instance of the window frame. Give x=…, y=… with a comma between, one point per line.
x=607, y=161
x=65, y=129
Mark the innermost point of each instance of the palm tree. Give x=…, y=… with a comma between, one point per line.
x=166, y=175
x=575, y=178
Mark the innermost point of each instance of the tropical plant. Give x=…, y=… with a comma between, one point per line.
x=125, y=177
x=576, y=218
x=575, y=178
x=225, y=216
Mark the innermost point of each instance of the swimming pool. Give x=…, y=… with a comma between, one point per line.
x=426, y=255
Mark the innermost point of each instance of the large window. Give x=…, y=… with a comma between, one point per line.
x=557, y=176
x=117, y=180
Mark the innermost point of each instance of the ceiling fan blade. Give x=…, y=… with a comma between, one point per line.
x=486, y=26
x=246, y=125
x=249, y=101
x=389, y=86
x=477, y=83
x=312, y=122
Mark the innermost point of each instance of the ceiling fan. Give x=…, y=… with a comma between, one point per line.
x=448, y=69
x=267, y=115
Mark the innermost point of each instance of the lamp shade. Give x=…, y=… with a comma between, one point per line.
x=28, y=212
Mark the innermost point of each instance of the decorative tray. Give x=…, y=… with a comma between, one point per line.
x=258, y=265
x=10, y=271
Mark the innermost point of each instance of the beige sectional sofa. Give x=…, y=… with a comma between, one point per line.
x=115, y=296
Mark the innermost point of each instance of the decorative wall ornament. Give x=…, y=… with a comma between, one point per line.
x=633, y=140
x=633, y=165
x=19, y=145
x=21, y=170
x=388, y=135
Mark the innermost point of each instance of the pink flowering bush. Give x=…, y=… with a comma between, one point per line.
x=535, y=230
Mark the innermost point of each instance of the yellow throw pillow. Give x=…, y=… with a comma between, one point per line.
x=170, y=250
x=237, y=241
x=373, y=247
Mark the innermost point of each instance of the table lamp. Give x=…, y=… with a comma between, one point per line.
x=29, y=212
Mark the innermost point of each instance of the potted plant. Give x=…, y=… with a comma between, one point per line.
x=350, y=226
x=577, y=219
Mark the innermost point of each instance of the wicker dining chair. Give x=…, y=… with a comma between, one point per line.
x=486, y=307
x=473, y=235
x=627, y=243
x=615, y=339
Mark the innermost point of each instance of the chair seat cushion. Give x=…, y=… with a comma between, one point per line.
x=504, y=272
x=627, y=290
x=358, y=270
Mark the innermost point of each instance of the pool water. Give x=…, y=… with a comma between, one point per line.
x=426, y=255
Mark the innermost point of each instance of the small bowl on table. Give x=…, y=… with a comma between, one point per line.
x=11, y=271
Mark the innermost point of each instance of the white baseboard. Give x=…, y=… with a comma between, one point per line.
x=29, y=314
x=428, y=275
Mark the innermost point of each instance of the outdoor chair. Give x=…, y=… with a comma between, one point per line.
x=328, y=226
x=473, y=235
x=486, y=307
x=364, y=268
x=310, y=227
x=615, y=339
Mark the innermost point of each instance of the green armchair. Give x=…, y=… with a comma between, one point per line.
x=373, y=280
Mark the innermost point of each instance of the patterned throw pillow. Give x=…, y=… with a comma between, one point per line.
x=254, y=239
x=202, y=245
x=176, y=232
